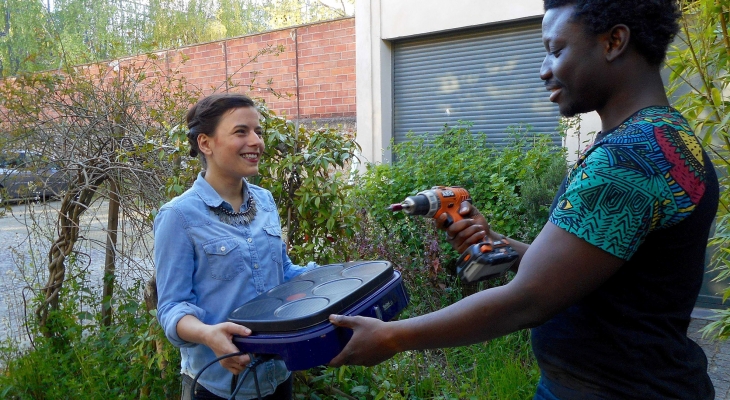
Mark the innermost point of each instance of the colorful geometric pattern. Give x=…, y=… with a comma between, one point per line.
x=646, y=174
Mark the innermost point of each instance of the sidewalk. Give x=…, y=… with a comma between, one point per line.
x=718, y=354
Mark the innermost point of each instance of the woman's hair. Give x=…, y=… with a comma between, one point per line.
x=204, y=116
x=653, y=23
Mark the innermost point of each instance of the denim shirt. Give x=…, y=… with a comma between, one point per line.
x=208, y=268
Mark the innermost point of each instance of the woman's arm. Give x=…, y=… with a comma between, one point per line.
x=218, y=337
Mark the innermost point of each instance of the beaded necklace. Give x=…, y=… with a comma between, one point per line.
x=237, y=218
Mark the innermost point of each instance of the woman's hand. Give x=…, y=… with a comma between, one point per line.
x=219, y=338
x=473, y=229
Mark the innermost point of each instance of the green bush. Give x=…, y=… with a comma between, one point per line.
x=500, y=369
x=82, y=359
x=512, y=186
x=699, y=78
x=307, y=171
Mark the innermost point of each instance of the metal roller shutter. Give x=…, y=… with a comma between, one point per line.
x=490, y=77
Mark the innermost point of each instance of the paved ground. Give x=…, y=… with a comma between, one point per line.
x=718, y=354
x=23, y=258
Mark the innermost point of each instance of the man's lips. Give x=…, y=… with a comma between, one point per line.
x=554, y=93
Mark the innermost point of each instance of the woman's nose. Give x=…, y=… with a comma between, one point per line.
x=256, y=139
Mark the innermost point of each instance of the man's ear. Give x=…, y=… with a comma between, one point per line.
x=204, y=144
x=616, y=41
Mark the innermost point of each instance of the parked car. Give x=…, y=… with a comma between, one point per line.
x=25, y=175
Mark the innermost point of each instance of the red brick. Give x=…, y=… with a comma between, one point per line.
x=326, y=68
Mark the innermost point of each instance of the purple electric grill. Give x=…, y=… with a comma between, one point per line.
x=291, y=323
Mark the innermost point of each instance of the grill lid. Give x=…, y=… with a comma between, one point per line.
x=311, y=297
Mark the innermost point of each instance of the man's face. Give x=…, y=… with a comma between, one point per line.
x=574, y=65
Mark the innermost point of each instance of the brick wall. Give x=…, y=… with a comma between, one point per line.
x=324, y=52
x=324, y=55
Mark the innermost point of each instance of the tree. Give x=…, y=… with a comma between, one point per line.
x=283, y=13
x=699, y=69
x=26, y=45
x=107, y=128
x=40, y=37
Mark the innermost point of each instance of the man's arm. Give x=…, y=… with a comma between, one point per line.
x=556, y=271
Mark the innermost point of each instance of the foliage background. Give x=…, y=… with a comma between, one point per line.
x=39, y=35
x=699, y=80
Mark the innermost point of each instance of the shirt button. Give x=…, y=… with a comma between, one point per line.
x=256, y=266
x=223, y=248
x=250, y=240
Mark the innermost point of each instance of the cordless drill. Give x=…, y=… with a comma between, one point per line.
x=481, y=260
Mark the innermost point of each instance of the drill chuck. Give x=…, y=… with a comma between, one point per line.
x=424, y=203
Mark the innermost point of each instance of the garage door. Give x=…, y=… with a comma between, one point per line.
x=490, y=77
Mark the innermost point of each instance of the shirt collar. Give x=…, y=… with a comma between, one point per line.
x=210, y=197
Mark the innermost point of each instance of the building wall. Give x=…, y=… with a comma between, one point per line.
x=265, y=66
x=380, y=22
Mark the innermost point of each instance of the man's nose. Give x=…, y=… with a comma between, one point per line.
x=546, y=71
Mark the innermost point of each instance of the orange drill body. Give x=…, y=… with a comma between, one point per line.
x=481, y=260
x=434, y=202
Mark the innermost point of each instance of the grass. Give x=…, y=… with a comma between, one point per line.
x=500, y=369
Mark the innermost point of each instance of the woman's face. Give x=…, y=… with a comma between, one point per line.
x=235, y=148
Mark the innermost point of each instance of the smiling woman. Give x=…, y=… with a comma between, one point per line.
x=217, y=246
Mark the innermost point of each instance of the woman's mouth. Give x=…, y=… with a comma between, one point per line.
x=253, y=157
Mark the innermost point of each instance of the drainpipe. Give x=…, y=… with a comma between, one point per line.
x=296, y=67
x=225, y=60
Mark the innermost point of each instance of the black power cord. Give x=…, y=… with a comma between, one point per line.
x=251, y=367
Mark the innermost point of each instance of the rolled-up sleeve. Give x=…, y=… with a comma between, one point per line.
x=174, y=256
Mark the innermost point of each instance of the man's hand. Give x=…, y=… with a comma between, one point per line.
x=219, y=338
x=470, y=230
x=369, y=343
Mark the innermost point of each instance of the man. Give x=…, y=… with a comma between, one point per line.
x=609, y=283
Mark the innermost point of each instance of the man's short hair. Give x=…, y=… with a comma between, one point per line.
x=653, y=23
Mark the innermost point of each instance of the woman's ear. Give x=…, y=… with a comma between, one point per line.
x=204, y=144
x=616, y=41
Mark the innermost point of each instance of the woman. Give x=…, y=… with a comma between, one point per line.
x=217, y=246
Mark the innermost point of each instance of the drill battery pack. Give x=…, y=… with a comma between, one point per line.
x=485, y=260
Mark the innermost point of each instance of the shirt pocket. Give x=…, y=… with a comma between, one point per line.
x=273, y=237
x=224, y=259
